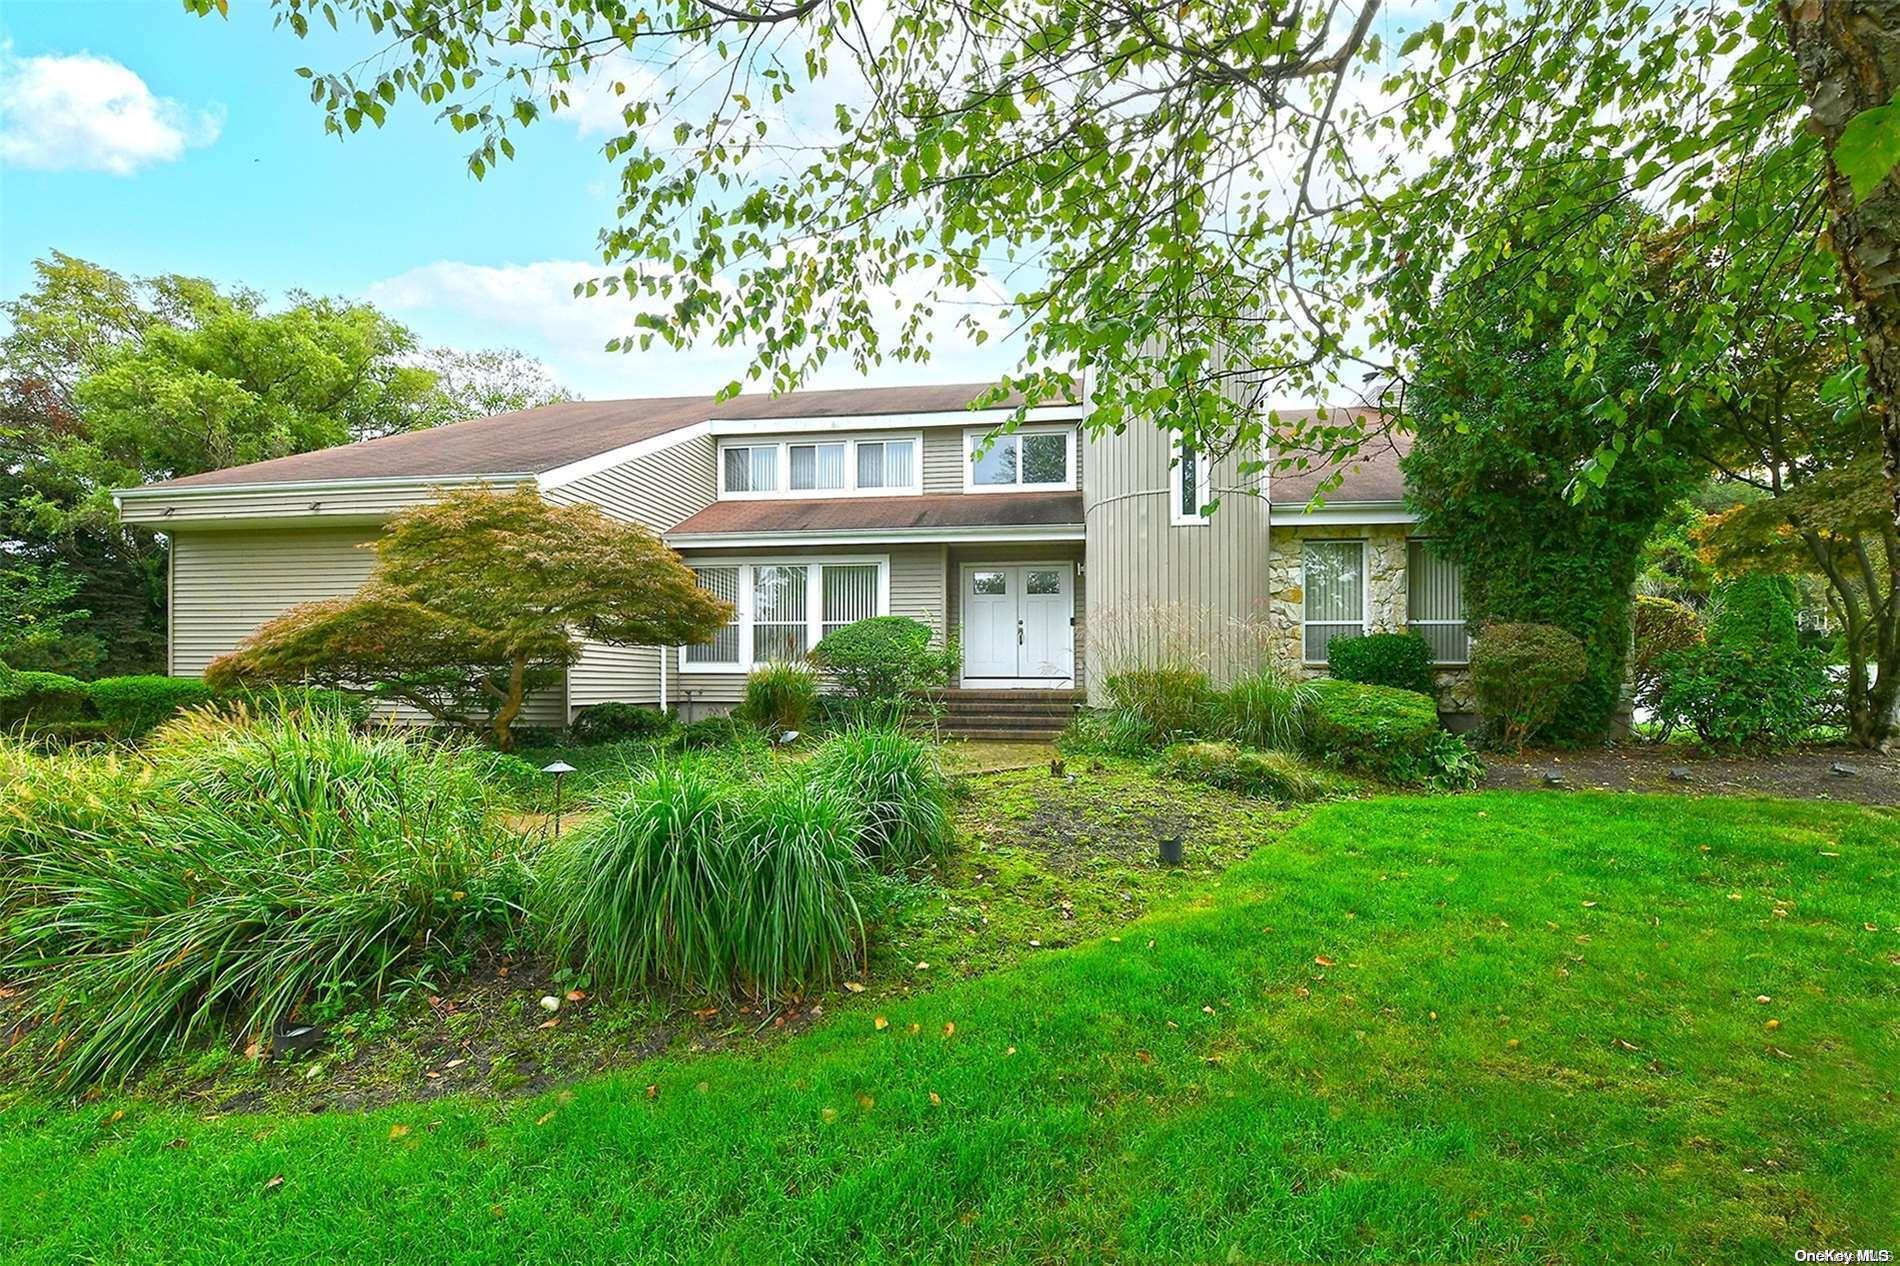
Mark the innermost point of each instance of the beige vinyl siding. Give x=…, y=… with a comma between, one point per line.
x=225, y=583
x=655, y=491
x=1158, y=591
x=247, y=509
x=1026, y=552
x=916, y=590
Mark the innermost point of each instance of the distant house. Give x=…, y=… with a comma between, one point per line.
x=1054, y=557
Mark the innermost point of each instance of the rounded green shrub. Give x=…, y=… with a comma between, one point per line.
x=1270, y=775
x=1400, y=660
x=886, y=658
x=34, y=697
x=779, y=697
x=1520, y=674
x=898, y=790
x=618, y=722
x=1739, y=694
x=1388, y=734
x=132, y=707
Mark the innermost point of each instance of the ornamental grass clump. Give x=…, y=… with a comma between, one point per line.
x=641, y=893
x=898, y=789
x=241, y=873
x=794, y=910
x=1267, y=708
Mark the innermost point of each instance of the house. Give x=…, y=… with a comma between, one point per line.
x=1053, y=556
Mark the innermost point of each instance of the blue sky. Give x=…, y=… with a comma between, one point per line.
x=147, y=140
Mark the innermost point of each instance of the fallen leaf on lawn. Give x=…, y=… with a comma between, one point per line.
x=277, y=1180
x=1301, y=991
x=1763, y=998
x=1780, y=913
x=1871, y=927
x=1208, y=1010
x=1432, y=1014
x=653, y=1091
x=1009, y=1052
x=118, y=1114
x=179, y=1145
x=1324, y=961
x=1589, y=905
x=866, y=1102
x=1825, y=853
x=496, y=1210
x=1628, y=1046
x=923, y=967
x=915, y=1029
x=458, y=896
x=703, y=1087
x=950, y=1028
x=1144, y=1057
x=398, y=1131
x=549, y=1024
x=455, y=1063
x=1034, y=943
x=881, y=1023
x=575, y=995
x=934, y=1099
x=853, y=986
x=1772, y=1025
x=545, y=1117
x=706, y=1013
x=432, y=1075
x=251, y=1050
x=1116, y=939
x=829, y=1114
x=1776, y=1050
x=1512, y=1044
x=1735, y=896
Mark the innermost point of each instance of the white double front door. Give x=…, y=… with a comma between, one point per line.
x=1019, y=624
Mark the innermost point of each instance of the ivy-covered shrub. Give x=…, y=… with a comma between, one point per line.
x=779, y=697
x=1389, y=734
x=1733, y=694
x=1163, y=703
x=132, y=707
x=1756, y=610
x=1662, y=626
x=618, y=722
x=1270, y=775
x=36, y=697
x=1400, y=660
x=1522, y=674
x=886, y=658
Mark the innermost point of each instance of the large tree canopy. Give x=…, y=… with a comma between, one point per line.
x=478, y=599
x=1207, y=202
x=108, y=382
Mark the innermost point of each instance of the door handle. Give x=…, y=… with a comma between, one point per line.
x=1019, y=632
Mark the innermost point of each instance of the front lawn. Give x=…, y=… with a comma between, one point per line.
x=1502, y=1027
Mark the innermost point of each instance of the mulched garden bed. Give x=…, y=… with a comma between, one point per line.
x=1805, y=774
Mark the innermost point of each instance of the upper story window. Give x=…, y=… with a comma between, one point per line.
x=819, y=467
x=1191, y=486
x=1435, y=603
x=1032, y=459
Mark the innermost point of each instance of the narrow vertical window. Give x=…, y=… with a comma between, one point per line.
x=1334, y=582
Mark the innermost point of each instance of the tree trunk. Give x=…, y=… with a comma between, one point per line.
x=510, y=704
x=1848, y=54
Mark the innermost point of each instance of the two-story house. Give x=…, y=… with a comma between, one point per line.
x=1052, y=556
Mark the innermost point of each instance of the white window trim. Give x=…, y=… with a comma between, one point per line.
x=1365, y=591
x=784, y=445
x=814, y=598
x=973, y=440
x=1411, y=620
x=1203, y=479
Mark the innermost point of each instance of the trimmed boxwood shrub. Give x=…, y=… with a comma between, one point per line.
x=131, y=707
x=1401, y=660
x=885, y=658
x=1272, y=775
x=40, y=697
x=1389, y=734
x=1521, y=674
x=617, y=722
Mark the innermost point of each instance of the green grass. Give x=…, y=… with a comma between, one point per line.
x=1511, y=1028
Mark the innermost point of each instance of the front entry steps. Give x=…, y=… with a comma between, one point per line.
x=1019, y=716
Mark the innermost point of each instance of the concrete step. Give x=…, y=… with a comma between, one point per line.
x=1015, y=734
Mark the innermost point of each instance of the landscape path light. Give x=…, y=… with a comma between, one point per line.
x=560, y=769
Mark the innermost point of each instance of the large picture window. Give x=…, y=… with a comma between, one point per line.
x=1334, y=581
x=1022, y=461
x=783, y=607
x=1435, y=603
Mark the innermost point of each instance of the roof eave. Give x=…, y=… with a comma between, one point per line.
x=888, y=536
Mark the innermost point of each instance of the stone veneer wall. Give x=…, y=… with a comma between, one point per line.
x=1385, y=571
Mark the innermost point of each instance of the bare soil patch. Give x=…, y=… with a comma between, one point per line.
x=1804, y=774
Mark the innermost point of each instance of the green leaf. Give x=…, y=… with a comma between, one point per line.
x=1869, y=148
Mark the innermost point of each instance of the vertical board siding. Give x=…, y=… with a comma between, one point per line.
x=225, y=583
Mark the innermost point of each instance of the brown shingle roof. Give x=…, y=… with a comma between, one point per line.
x=1372, y=475
x=831, y=514
x=536, y=440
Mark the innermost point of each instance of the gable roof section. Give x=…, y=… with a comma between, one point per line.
x=1372, y=477
x=534, y=441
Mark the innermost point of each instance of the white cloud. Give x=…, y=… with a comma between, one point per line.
x=79, y=112
x=533, y=307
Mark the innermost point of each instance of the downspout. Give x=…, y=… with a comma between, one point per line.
x=662, y=654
